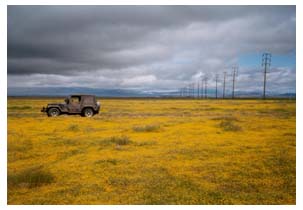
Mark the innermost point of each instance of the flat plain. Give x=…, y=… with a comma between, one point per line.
x=153, y=151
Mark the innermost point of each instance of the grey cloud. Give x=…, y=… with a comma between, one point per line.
x=161, y=45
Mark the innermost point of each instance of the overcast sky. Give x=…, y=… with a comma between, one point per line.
x=149, y=48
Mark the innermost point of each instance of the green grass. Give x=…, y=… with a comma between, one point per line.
x=19, y=107
x=146, y=128
x=117, y=140
x=32, y=177
x=229, y=126
x=73, y=127
x=107, y=161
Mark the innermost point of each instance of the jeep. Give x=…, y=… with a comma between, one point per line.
x=86, y=105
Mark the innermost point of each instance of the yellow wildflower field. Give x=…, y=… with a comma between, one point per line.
x=154, y=151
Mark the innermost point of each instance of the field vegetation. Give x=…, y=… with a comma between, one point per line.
x=154, y=152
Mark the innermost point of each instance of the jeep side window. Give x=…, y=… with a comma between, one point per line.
x=75, y=99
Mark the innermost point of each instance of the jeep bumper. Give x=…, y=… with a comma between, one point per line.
x=43, y=109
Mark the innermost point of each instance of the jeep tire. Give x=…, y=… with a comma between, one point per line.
x=53, y=112
x=88, y=112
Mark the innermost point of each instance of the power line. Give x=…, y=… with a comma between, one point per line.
x=217, y=76
x=224, y=84
x=183, y=92
x=202, y=91
x=191, y=91
x=235, y=73
x=205, y=83
x=185, y=88
x=198, y=89
x=266, y=60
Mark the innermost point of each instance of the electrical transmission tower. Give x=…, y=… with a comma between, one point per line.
x=266, y=60
x=202, y=91
x=235, y=73
x=205, y=88
x=224, y=84
x=183, y=91
x=192, y=90
x=186, y=92
x=217, y=76
x=198, y=89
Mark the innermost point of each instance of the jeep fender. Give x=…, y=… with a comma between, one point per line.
x=55, y=106
x=94, y=110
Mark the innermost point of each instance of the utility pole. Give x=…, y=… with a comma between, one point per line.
x=202, y=92
x=217, y=86
x=186, y=91
x=224, y=85
x=266, y=60
x=198, y=90
x=205, y=89
x=235, y=71
x=192, y=89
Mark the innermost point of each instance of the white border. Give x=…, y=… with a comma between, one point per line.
x=3, y=102
x=3, y=87
x=150, y=2
x=299, y=88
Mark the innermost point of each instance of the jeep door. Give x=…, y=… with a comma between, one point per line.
x=74, y=104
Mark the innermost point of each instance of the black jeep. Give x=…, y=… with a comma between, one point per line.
x=86, y=105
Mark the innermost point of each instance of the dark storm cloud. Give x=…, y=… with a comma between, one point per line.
x=126, y=45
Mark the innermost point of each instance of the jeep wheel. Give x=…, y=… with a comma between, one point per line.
x=88, y=112
x=53, y=112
